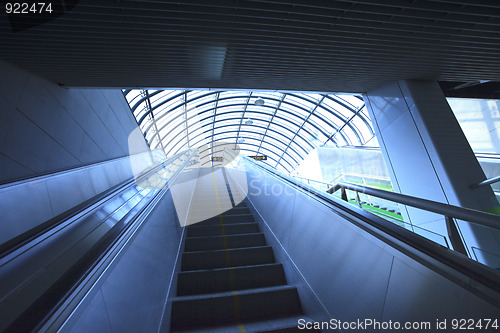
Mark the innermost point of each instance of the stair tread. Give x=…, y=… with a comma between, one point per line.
x=192, y=261
x=208, y=281
x=223, y=229
x=228, y=218
x=231, y=293
x=218, y=222
x=272, y=325
x=231, y=249
x=217, y=309
x=229, y=268
x=229, y=280
x=215, y=237
x=194, y=244
x=197, y=225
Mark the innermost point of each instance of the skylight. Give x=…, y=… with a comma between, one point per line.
x=284, y=126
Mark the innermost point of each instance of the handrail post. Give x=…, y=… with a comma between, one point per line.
x=343, y=194
x=455, y=239
x=358, y=199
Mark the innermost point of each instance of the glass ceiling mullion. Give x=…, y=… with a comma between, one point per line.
x=305, y=121
x=247, y=131
x=151, y=114
x=344, y=125
x=177, y=121
x=185, y=117
x=270, y=121
x=213, y=124
x=242, y=117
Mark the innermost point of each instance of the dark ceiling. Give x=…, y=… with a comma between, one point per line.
x=311, y=45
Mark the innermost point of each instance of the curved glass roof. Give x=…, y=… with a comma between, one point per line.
x=284, y=126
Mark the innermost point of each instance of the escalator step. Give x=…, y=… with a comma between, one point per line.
x=223, y=242
x=227, y=258
x=278, y=325
x=226, y=279
x=237, y=211
x=200, y=205
x=198, y=230
x=283, y=325
x=229, y=219
x=191, y=312
x=232, y=211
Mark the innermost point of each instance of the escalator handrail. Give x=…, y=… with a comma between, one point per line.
x=462, y=213
x=95, y=251
x=24, y=239
x=471, y=215
x=400, y=238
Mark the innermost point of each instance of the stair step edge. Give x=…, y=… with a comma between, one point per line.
x=229, y=268
x=232, y=235
x=273, y=325
x=232, y=293
x=218, y=225
x=230, y=249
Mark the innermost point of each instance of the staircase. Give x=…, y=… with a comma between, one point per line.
x=229, y=280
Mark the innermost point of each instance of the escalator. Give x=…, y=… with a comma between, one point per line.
x=239, y=248
x=45, y=271
x=229, y=279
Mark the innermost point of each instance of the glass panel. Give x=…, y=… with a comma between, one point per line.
x=224, y=102
x=301, y=144
x=293, y=155
x=238, y=109
x=285, y=132
x=225, y=127
x=334, y=118
x=226, y=94
x=272, y=140
x=353, y=101
x=335, y=107
x=480, y=121
x=341, y=140
x=319, y=123
x=313, y=97
x=288, y=122
x=305, y=104
x=298, y=112
x=362, y=129
x=157, y=98
x=141, y=111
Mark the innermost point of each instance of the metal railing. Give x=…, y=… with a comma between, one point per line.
x=489, y=181
x=449, y=212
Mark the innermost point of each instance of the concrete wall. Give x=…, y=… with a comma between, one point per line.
x=46, y=128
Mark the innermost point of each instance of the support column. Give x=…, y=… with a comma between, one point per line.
x=428, y=156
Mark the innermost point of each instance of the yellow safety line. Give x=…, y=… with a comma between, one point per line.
x=241, y=327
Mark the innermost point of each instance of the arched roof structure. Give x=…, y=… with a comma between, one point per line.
x=284, y=126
